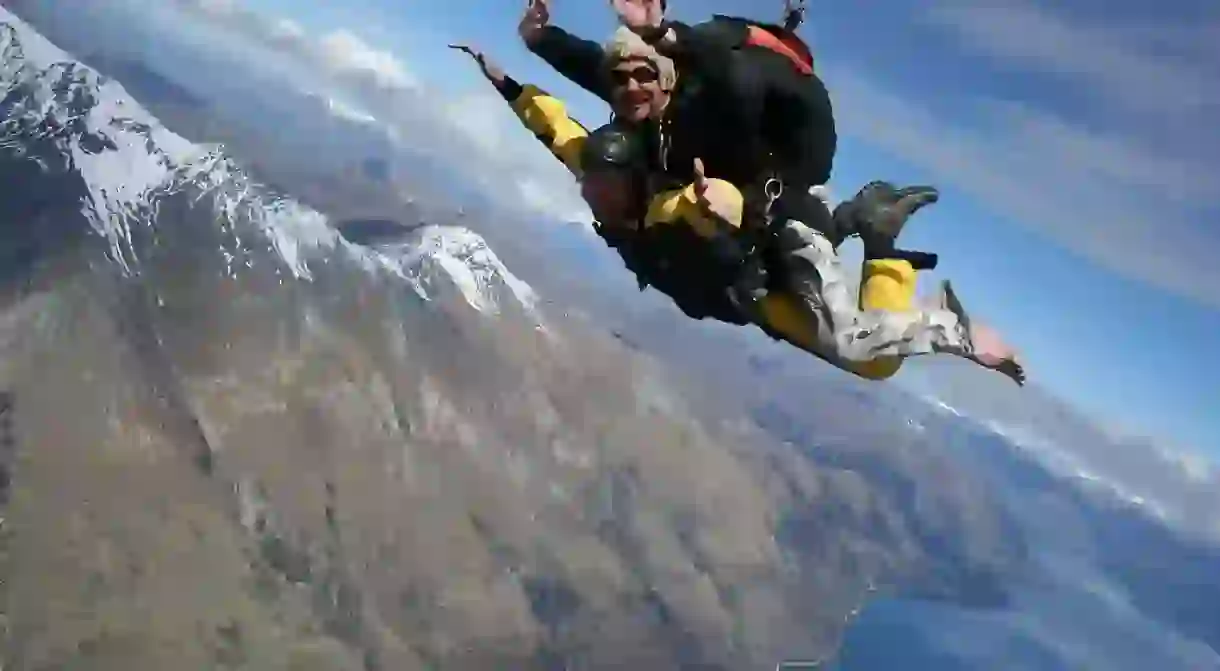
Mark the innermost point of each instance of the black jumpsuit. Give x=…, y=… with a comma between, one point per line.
x=732, y=105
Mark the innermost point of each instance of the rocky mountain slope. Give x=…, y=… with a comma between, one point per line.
x=240, y=441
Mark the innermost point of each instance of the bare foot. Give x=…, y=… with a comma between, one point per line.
x=992, y=352
x=990, y=349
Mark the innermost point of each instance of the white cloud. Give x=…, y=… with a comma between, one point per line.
x=1125, y=64
x=339, y=53
x=287, y=32
x=481, y=117
x=562, y=205
x=346, y=111
x=477, y=129
x=1127, y=178
x=515, y=160
x=218, y=7
x=346, y=53
x=1109, y=156
x=1033, y=171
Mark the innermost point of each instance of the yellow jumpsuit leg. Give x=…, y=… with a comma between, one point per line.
x=886, y=284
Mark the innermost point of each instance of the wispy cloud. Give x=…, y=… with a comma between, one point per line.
x=339, y=53
x=477, y=129
x=1129, y=63
x=1128, y=180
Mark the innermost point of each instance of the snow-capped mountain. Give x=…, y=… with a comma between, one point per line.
x=124, y=170
x=353, y=465
x=77, y=114
x=286, y=449
x=439, y=259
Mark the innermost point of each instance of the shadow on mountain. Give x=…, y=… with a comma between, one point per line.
x=145, y=84
x=41, y=211
x=374, y=231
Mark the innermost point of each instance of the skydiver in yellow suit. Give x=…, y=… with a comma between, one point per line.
x=695, y=244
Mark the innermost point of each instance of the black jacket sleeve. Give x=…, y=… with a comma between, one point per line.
x=576, y=59
x=510, y=88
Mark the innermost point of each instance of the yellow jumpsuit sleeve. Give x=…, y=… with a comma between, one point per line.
x=681, y=207
x=547, y=118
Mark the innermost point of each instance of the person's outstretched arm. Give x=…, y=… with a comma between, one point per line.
x=544, y=115
x=578, y=60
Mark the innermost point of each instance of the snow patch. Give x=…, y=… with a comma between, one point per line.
x=1068, y=465
x=445, y=258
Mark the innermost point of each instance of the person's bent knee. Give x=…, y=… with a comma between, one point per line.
x=859, y=361
x=882, y=368
x=851, y=346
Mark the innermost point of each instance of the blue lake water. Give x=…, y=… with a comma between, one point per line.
x=1050, y=631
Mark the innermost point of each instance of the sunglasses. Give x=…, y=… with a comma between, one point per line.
x=640, y=75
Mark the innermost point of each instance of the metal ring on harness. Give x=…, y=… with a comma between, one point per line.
x=773, y=188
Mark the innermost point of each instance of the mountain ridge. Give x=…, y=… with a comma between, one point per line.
x=367, y=477
x=280, y=458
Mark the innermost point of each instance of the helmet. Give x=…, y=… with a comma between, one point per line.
x=611, y=147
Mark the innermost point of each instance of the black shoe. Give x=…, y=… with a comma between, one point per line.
x=878, y=212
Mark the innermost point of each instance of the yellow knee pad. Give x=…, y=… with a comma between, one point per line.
x=887, y=284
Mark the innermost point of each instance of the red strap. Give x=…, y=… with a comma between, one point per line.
x=790, y=46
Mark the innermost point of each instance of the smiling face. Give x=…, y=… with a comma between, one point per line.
x=636, y=92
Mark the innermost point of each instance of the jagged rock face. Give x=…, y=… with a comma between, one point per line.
x=239, y=441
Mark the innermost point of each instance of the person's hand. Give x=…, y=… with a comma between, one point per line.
x=726, y=249
x=705, y=200
x=639, y=14
x=700, y=181
x=700, y=184
x=990, y=348
x=537, y=16
x=490, y=70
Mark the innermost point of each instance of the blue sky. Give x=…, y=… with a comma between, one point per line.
x=1072, y=143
